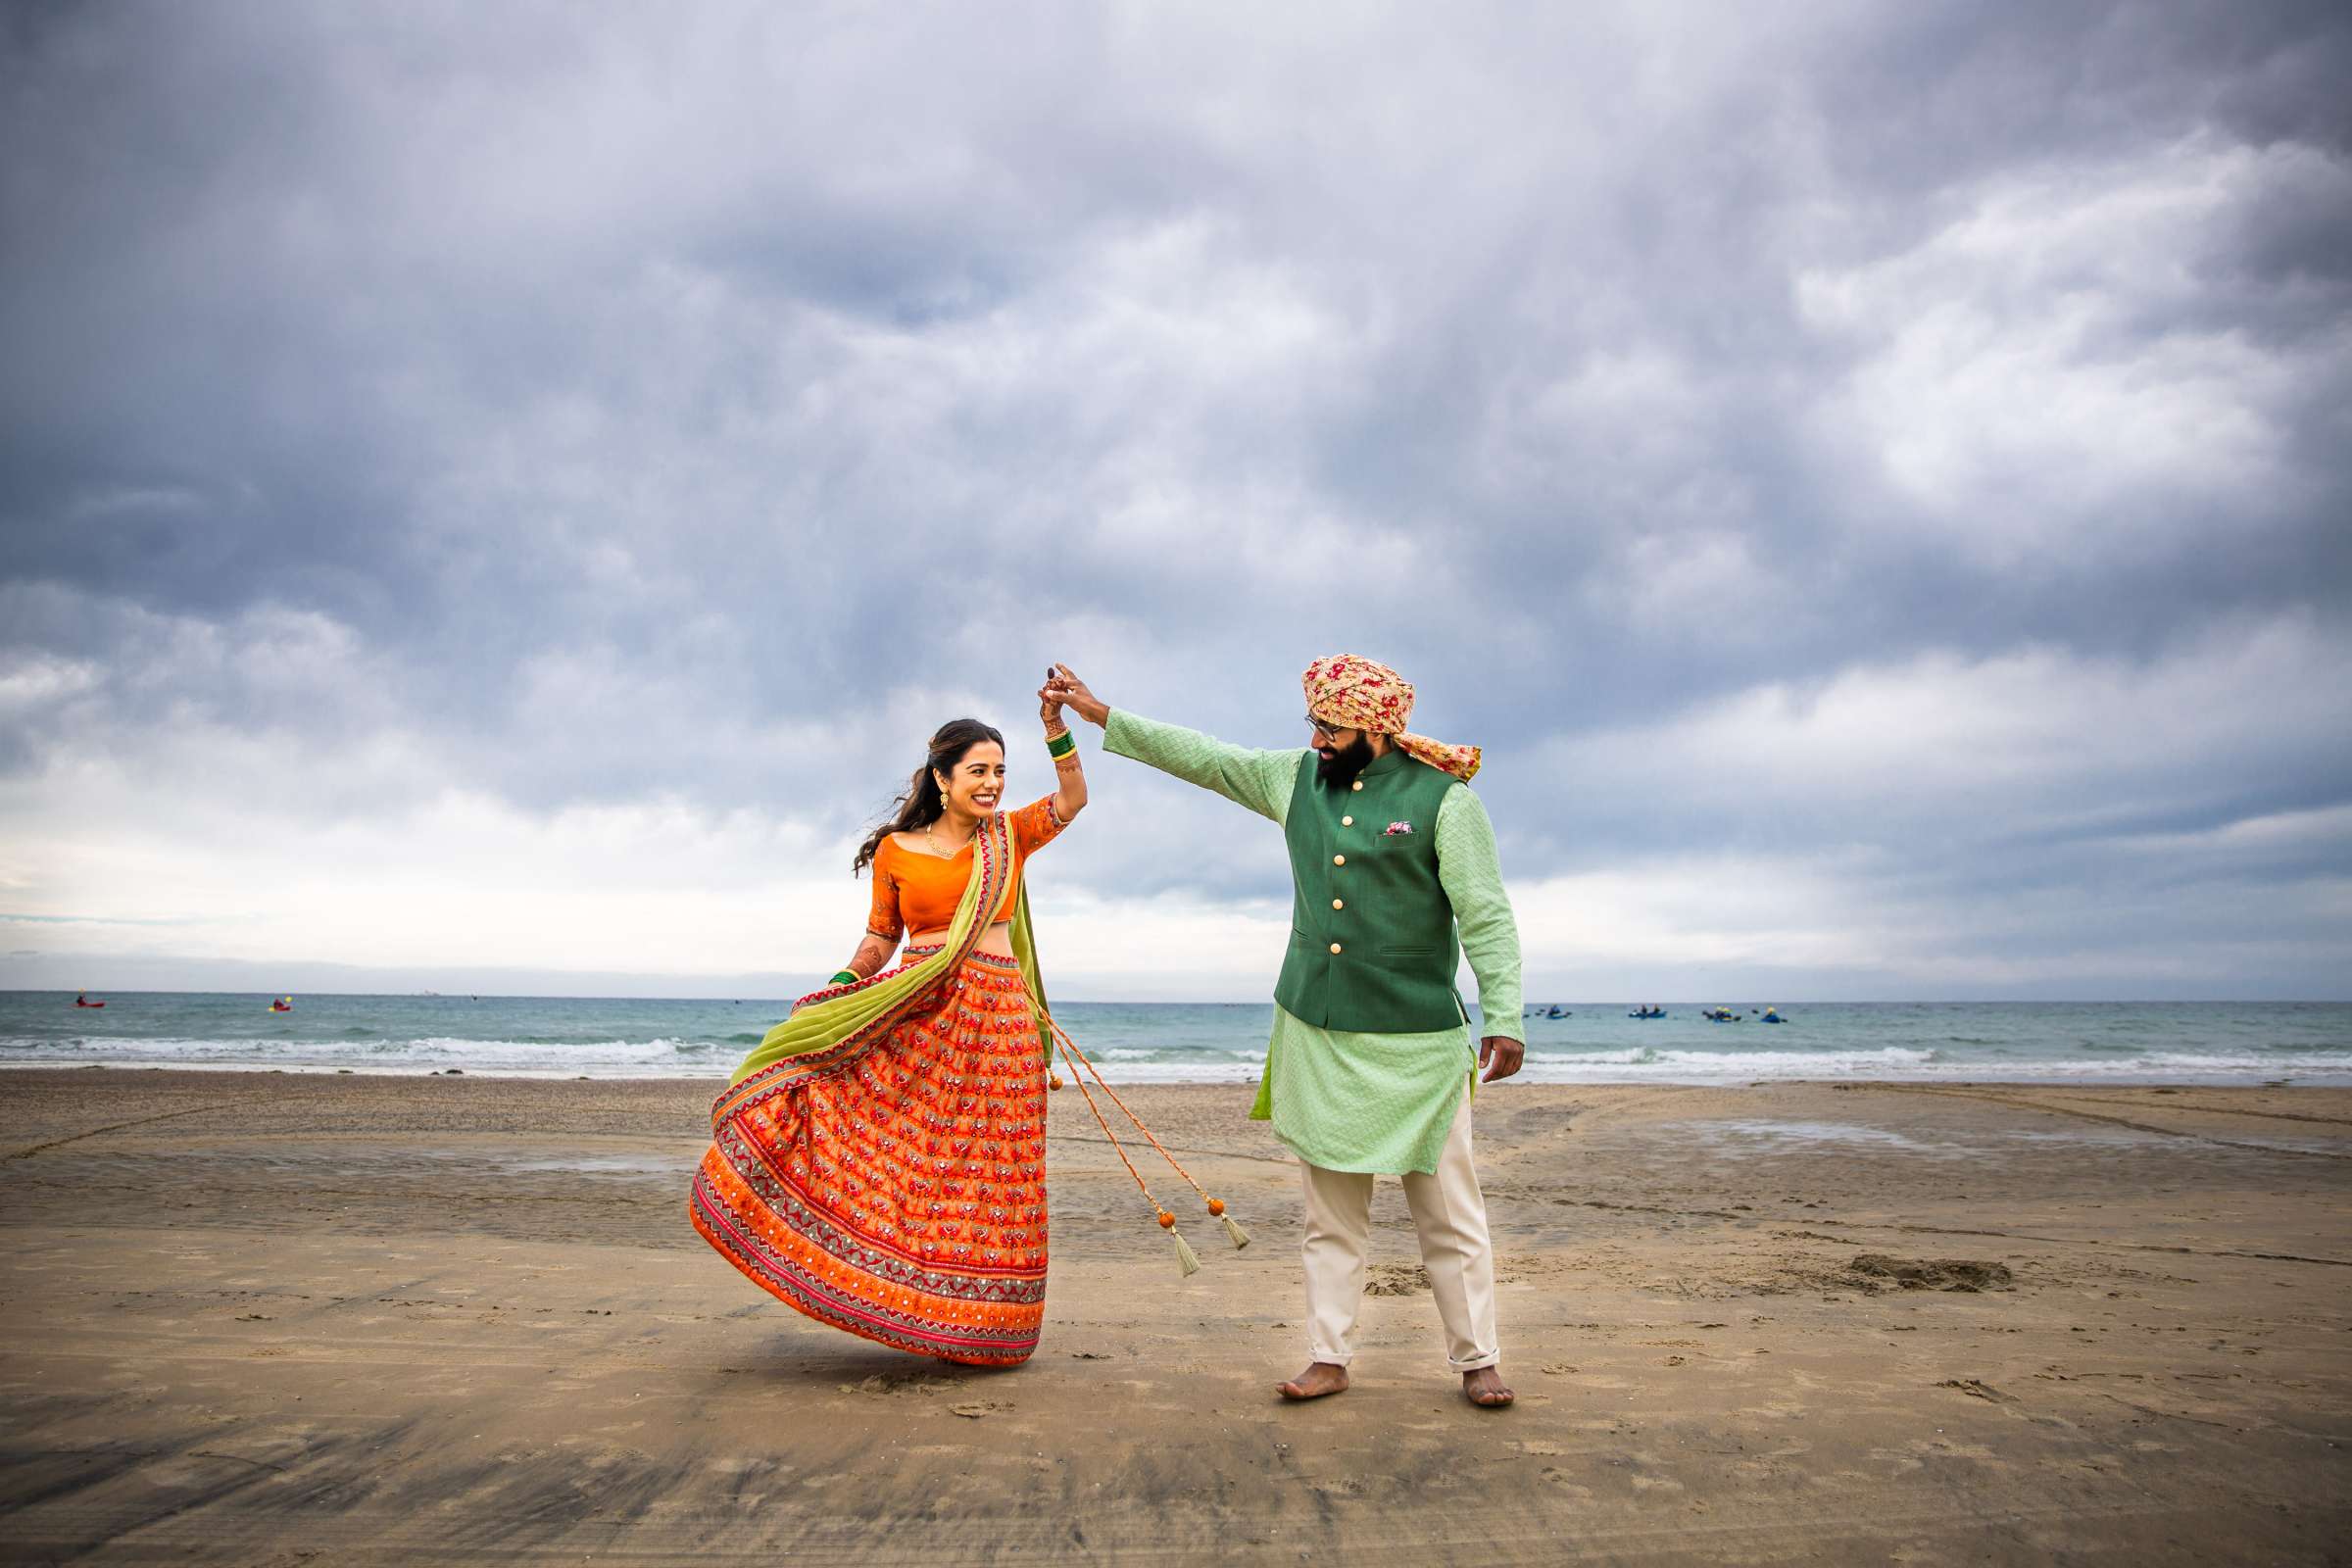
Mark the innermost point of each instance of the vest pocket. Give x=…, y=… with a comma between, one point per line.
x=1408, y=952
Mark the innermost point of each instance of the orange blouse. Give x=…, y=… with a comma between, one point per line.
x=914, y=891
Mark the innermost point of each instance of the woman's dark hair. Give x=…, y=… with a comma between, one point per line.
x=921, y=806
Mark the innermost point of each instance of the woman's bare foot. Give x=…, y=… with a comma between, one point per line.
x=1324, y=1377
x=1485, y=1387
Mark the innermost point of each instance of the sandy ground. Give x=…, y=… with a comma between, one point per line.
x=258, y=1318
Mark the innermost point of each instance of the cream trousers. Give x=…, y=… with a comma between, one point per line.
x=1450, y=1213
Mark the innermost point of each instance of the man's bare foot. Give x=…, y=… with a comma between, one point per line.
x=1324, y=1377
x=1485, y=1387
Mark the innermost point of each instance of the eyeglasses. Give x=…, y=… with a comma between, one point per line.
x=1330, y=732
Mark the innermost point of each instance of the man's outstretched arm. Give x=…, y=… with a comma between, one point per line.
x=1263, y=781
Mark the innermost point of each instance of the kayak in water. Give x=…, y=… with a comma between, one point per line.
x=282, y=1005
x=84, y=1001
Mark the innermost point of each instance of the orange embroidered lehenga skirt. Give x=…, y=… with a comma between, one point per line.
x=896, y=1187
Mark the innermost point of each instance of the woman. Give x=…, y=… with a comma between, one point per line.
x=879, y=1162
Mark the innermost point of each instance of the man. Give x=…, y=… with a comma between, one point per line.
x=1395, y=879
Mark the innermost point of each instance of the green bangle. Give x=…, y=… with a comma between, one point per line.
x=845, y=977
x=1062, y=745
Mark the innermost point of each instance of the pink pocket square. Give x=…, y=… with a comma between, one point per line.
x=1395, y=829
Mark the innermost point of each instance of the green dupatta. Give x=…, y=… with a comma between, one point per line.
x=840, y=1023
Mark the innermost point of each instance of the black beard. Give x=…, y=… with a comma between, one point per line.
x=1337, y=770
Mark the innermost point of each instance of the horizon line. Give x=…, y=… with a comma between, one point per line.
x=1267, y=1002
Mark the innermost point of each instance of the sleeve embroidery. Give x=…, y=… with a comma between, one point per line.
x=884, y=921
x=1036, y=825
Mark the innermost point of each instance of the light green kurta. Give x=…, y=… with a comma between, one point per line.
x=1348, y=1100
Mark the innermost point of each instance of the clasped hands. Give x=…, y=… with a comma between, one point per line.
x=1063, y=688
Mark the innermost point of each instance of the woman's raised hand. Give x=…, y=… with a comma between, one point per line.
x=1066, y=688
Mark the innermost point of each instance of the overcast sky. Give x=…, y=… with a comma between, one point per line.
x=495, y=496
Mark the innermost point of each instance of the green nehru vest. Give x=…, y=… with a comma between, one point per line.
x=1373, y=948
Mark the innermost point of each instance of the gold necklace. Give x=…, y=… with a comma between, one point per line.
x=931, y=835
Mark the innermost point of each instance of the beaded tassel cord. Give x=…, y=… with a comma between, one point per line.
x=1082, y=1067
x=1186, y=1259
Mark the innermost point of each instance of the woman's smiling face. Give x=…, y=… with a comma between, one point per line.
x=975, y=785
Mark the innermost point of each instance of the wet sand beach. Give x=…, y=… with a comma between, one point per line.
x=264, y=1318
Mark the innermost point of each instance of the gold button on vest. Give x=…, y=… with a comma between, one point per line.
x=1339, y=903
x=1334, y=947
x=1346, y=822
x=1339, y=860
x=1358, y=785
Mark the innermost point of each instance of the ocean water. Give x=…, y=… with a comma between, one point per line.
x=561, y=1037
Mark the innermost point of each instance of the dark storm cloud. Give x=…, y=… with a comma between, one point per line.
x=609, y=408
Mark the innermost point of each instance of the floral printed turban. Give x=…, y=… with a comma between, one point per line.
x=1354, y=693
